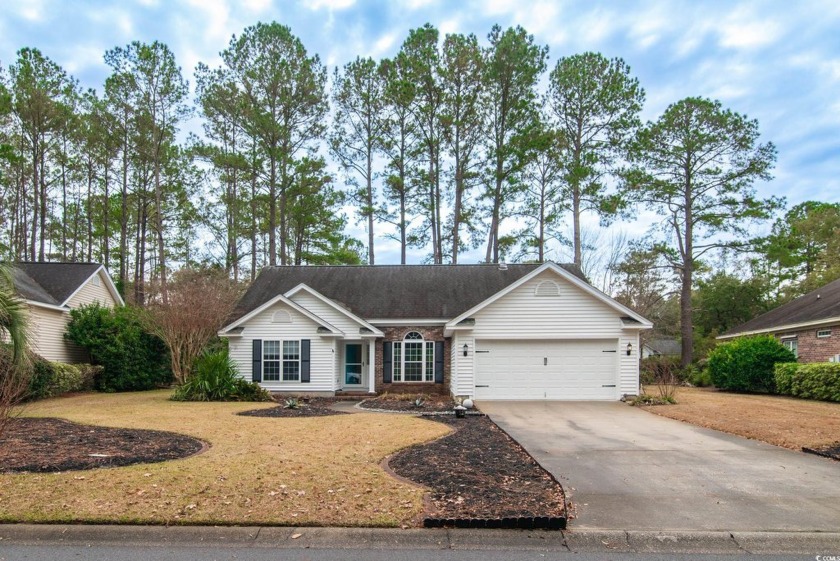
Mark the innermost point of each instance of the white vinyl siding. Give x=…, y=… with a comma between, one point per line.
x=91, y=293
x=570, y=315
x=462, y=367
x=46, y=336
x=321, y=355
x=327, y=313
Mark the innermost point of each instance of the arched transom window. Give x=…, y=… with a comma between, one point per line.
x=414, y=359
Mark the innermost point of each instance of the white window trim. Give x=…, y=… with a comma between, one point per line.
x=791, y=342
x=282, y=361
x=823, y=333
x=428, y=357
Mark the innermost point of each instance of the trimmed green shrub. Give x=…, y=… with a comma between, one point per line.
x=51, y=379
x=131, y=358
x=783, y=374
x=698, y=377
x=820, y=380
x=215, y=378
x=746, y=364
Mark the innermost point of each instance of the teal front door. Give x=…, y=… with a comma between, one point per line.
x=353, y=364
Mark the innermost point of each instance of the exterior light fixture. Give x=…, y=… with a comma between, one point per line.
x=466, y=348
x=629, y=348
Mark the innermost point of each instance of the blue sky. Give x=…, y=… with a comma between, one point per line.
x=775, y=61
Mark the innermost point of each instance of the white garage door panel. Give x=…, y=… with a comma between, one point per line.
x=546, y=370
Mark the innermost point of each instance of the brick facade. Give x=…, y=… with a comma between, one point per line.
x=812, y=348
x=429, y=334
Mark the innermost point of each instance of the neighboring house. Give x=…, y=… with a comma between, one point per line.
x=480, y=331
x=809, y=325
x=666, y=346
x=51, y=290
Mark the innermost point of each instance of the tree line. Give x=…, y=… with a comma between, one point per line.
x=449, y=146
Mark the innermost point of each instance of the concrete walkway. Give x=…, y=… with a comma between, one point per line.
x=628, y=469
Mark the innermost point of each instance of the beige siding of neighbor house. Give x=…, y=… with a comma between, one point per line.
x=91, y=293
x=46, y=336
x=262, y=326
x=572, y=315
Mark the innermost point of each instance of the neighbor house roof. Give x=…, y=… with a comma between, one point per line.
x=816, y=307
x=51, y=283
x=667, y=346
x=391, y=291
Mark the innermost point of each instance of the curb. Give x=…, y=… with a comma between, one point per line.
x=576, y=541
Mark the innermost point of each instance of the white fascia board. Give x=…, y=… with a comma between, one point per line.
x=334, y=305
x=585, y=286
x=48, y=306
x=291, y=304
x=408, y=322
x=112, y=288
x=787, y=327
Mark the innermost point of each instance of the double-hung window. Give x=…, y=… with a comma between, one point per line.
x=414, y=359
x=281, y=361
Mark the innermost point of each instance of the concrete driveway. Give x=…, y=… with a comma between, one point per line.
x=628, y=469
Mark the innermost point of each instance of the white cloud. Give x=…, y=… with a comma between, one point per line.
x=743, y=30
x=330, y=4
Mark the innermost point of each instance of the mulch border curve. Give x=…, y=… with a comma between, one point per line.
x=205, y=446
x=551, y=523
x=816, y=452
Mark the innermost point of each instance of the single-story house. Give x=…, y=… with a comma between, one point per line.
x=481, y=331
x=664, y=346
x=809, y=326
x=51, y=290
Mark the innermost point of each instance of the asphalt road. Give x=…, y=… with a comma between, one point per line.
x=629, y=469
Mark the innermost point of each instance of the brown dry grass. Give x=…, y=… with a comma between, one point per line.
x=284, y=471
x=783, y=421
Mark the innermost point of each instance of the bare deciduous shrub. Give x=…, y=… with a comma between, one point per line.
x=197, y=304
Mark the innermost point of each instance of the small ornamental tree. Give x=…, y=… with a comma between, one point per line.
x=198, y=303
x=747, y=364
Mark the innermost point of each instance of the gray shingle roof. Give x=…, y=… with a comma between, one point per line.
x=51, y=283
x=820, y=304
x=390, y=291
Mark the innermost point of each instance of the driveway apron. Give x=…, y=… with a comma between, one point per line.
x=624, y=468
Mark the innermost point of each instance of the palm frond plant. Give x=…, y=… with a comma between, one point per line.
x=14, y=356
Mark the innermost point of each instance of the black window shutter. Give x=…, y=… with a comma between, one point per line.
x=256, y=368
x=304, y=361
x=438, y=362
x=387, y=361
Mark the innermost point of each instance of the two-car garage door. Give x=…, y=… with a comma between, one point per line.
x=550, y=369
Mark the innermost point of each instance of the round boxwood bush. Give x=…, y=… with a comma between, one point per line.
x=747, y=364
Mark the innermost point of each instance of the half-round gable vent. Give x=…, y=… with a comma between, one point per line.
x=95, y=281
x=547, y=288
x=281, y=316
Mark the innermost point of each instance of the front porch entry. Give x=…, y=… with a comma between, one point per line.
x=357, y=366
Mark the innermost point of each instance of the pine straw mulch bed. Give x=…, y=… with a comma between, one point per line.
x=406, y=404
x=312, y=407
x=49, y=445
x=479, y=472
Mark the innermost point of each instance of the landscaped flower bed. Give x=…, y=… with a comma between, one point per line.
x=312, y=407
x=45, y=445
x=409, y=403
x=480, y=477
